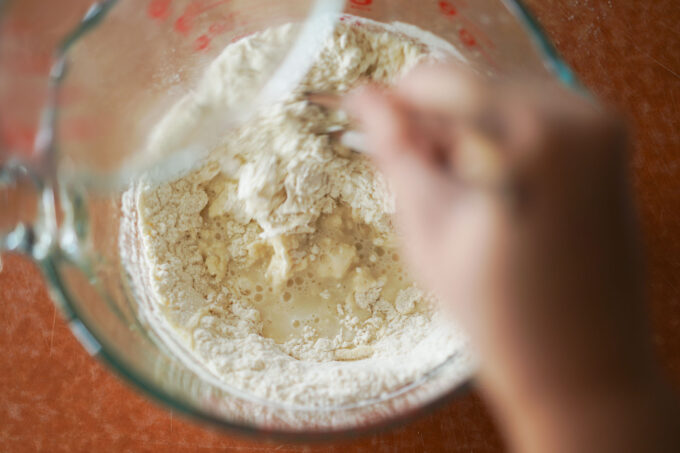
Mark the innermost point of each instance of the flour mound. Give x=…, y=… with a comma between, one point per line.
x=275, y=262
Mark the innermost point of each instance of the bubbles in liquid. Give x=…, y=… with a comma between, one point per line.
x=259, y=288
x=296, y=323
x=298, y=280
x=380, y=251
x=395, y=256
x=286, y=296
x=290, y=283
x=258, y=297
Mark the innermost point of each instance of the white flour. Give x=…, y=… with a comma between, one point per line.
x=275, y=263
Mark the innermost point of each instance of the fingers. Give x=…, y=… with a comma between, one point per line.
x=443, y=129
x=430, y=112
x=421, y=189
x=383, y=120
x=461, y=114
x=519, y=133
x=442, y=88
x=475, y=108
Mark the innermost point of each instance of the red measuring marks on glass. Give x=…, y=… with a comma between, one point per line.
x=362, y=5
x=159, y=9
x=351, y=20
x=470, y=35
x=216, y=28
x=188, y=22
x=448, y=9
x=467, y=38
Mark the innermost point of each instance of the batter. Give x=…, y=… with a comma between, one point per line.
x=275, y=262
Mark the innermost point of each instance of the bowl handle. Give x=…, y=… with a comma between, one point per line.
x=28, y=220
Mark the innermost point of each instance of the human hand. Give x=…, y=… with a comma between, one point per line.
x=514, y=208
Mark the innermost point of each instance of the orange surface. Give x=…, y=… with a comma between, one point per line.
x=54, y=397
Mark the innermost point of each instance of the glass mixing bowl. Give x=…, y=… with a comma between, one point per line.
x=110, y=80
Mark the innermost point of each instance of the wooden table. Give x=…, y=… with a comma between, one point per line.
x=54, y=397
